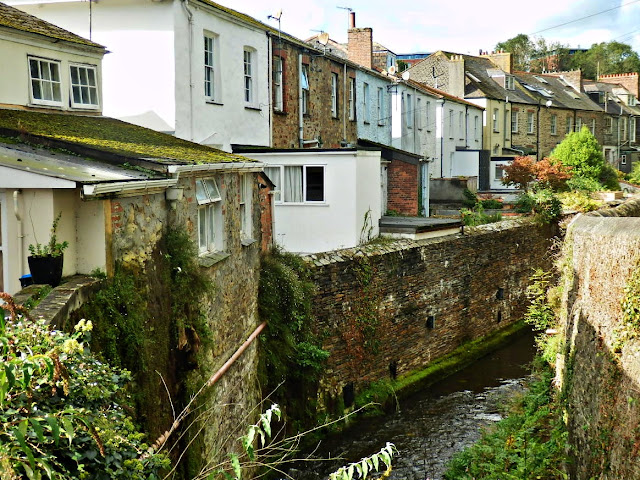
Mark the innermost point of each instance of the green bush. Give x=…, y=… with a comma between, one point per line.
x=469, y=199
x=63, y=412
x=584, y=184
x=491, y=204
x=609, y=177
x=476, y=216
x=546, y=206
x=524, y=203
x=581, y=151
x=580, y=201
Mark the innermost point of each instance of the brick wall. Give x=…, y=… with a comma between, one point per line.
x=361, y=46
x=318, y=122
x=401, y=306
x=630, y=81
x=402, y=190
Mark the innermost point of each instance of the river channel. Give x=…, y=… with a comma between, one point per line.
x=431, y=426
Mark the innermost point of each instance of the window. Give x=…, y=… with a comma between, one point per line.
x=304, y=79
x=623, y=159
x=248, y=76
x=352, y=99
x=418, y=113
x=506, y=119
x=495, y=119
x=569, y=124
x=334, y=95
x=623, y=128
x=450, y=123
x=427, y=116
x=632, y=100
x=244, y=185
x=297, y=183
x=554, y=124
x=210, y=57
x=461, y=125
x=578, y=124
x=632, y=129
x=509, y=83
x=409, y=111
x=366, y=103
x=608, y=125
x=530, y=122
x=278, y=86
x=381, y=106
x=210, y=231
x=593, y=126
x=476, y=121
x=84, y=86
x=45, y=81
x=514, y=121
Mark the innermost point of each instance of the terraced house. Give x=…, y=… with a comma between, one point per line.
x=122, y=192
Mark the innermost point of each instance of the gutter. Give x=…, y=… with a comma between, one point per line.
x=206, y=167
x=118, y=187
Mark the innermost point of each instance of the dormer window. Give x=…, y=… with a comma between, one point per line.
x=45, y=82
x=84, y=86
x=509, y=83
x=632, y=100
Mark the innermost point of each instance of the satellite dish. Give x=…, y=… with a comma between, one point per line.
x=549, y=103
x=323, y=38
x=391, y=70
x=406, y=75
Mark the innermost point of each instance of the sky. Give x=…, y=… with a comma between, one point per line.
x=461, y=26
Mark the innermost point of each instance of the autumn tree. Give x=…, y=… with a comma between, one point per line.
x=547, y=173
x=519, y=173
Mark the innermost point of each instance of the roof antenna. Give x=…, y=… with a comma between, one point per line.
x=351, y=15
x=277, y=17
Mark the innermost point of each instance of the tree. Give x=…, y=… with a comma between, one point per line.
x=521, y=49
x=606, y=58
x=582, y=152
x=519, y=173
x=548, y=174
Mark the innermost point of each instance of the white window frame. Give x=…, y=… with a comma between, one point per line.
x=632, y=129
x=45, y=81
x=249, y=70
x=427, y=116
x=514, y=121
x=593, y=126
x=366, y=103
x=495, y=119
x=278, y=84
x=530, y=123
x=91, y=90
x=304, y=81
x=245, y=190
x=334, y=95
x=569, y=124
x=623, y=159
x=554, y=124
x=509, y=82
x=623, y=128
x=210, y=227
x=461, y=125
x=476, y=122
x=282, y=193
x=608, y=124
x=210, y=72
x=578, y=124
x=451, y=124
x=409, y=111
x=381, y=111
x=352, y=98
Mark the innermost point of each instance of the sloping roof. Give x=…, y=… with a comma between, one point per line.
x=112, y=136
x=613, y=105
x=13, y=18
x=557, y=91
x=442, y=94
x=484, y=70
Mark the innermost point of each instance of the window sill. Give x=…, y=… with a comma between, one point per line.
x=246, y=242
x=303, y=204
x=90, y=108
x=45, y=105
x=279, y=112
x=213, y=102
x=250, y=107
x=209, y=259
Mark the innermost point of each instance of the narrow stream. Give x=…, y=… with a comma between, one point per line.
x=433, y=425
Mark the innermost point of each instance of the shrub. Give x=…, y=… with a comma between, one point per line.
x=584, y=184
x=546, y=206
x=491, y=204
x=476, y=216
x=519, y=173
x=581, y=151
x=580, y=201
x=524, y=204
x=63, y=412
x=609, y=177
x=469, y=199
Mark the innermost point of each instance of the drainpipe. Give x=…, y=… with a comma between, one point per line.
x=300, y=116
x=466, y=126
x=16, y=212
x=189, y=14
x=538, y=132
x=442, y=139
x=270, y=85
x=344, y=104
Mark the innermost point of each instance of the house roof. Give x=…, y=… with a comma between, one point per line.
x=110, y=136
x=442, y=94
x=18, y=20
x=553, y=88
x=613, y=104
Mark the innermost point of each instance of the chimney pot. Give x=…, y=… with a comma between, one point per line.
x=352, y=19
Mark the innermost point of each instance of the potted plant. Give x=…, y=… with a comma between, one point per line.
x=46, y=260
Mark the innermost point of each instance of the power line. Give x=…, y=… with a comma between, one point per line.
x=584, y=18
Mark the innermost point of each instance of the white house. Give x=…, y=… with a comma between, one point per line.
x=325, y=199
x=191, y=67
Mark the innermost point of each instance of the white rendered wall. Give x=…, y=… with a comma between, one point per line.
x=457, y=131
x=228, y=119
x=352, y=186
x=90, y=239
x=138, y=73
x=465, y=164
x=368, y=197
x=377, y=129
x=15, y=79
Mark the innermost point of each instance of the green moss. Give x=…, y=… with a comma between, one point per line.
x=37, y=297
x=386, y=391
x=111, y=135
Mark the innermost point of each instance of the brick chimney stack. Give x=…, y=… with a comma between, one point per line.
x=630, y=81
x=360, y=43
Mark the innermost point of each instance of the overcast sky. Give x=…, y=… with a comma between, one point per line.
x=462, y=26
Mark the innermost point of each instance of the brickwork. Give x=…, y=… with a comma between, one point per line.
x=630, y=81
x=318, y=123
x=361, y=46
x=398, y=307
x=402, y=193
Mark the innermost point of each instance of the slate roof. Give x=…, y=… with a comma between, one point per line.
x=18, y=20
x=611, y=106
x=110, y=136
x=442, y=94
x=560, y=93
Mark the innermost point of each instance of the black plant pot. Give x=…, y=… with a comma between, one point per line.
x=46, y=270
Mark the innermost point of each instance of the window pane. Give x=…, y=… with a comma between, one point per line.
x=35, y=85
x=33, y=66
x=74, y=75
x=292, y=184
x=201, y=193
x=212, y=190
x=210, y=228
x=315, y=184
x=202, y=229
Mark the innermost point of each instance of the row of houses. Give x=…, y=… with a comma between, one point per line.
x=340, y=138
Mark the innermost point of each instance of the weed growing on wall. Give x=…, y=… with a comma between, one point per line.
x=291, y=357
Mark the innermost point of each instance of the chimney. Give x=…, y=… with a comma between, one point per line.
x=360, y=47
x=630, y=81
x=573, y=78
x=503, y=60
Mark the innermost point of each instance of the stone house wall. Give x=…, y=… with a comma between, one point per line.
x=318, y=122
x=389, y=310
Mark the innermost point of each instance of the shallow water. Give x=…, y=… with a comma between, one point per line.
x=432, y=425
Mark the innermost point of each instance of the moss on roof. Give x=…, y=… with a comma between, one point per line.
x=13, y=18
x=114, y=136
